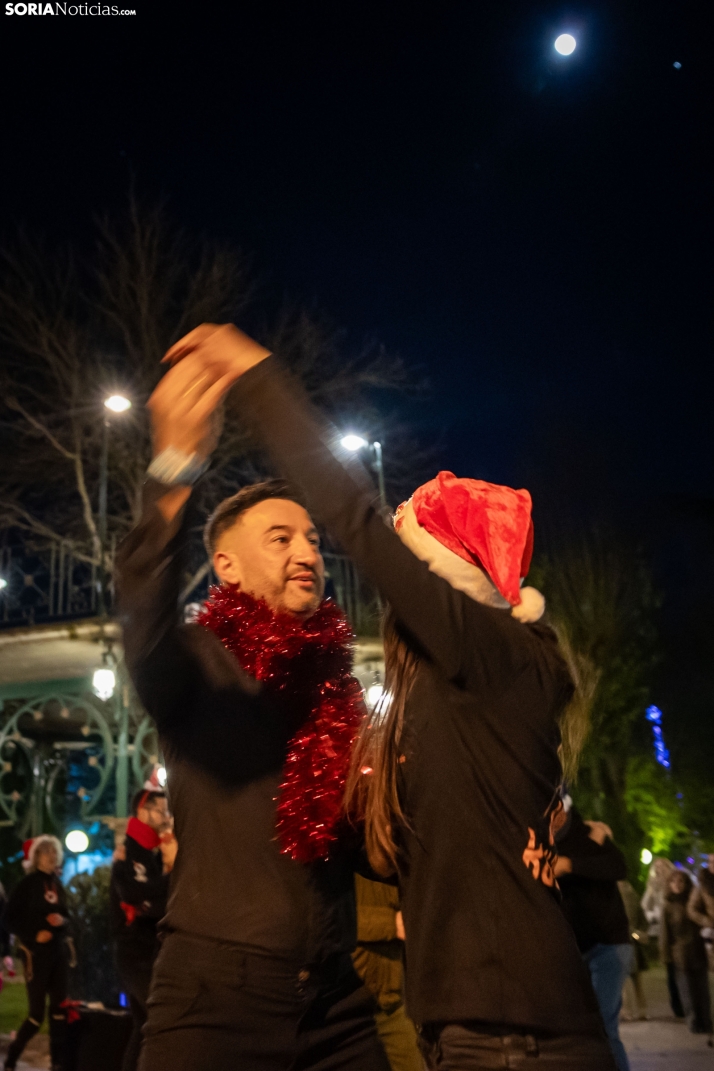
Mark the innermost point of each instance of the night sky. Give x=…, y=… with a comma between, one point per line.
x=533, y=232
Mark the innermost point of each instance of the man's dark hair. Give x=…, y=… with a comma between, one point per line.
x=229, y=510
x=144, y=797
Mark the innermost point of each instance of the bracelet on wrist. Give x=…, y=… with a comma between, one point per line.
x=174, y=468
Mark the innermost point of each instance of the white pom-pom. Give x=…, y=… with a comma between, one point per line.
x=531, y=607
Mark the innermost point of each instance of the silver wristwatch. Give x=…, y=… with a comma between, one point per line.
x=174, y=468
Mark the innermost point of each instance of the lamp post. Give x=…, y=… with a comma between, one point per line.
x=115, y=403
x=353, y=443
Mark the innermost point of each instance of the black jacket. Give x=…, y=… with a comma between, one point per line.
x=137, y=895
x=34, y=898
x=591, y=898
x=486, y=936
x=225, y=744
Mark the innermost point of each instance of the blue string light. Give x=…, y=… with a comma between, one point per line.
x=654, y=716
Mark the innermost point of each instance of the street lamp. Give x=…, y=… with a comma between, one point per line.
x=115, y=403
x=353, y=443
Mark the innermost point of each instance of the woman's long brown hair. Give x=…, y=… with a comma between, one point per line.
x=371, y=794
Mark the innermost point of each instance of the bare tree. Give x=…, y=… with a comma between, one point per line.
x=77, y=327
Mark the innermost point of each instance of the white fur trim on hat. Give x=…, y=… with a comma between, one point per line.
x=45, y=840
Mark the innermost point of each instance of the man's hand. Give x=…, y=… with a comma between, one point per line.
x=399, y=926
x=55, y=919
x=599, y=831
x=168, y=848
x=222, y=347
x=186, y=406
x=43, y=936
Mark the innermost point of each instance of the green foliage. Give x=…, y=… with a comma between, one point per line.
x=602, y=604
x=651, y=795
x=94, y=977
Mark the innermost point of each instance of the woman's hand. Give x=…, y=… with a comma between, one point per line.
x=55, y=919
x=43, y=936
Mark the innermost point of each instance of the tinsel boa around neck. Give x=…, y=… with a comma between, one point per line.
x=308, y=665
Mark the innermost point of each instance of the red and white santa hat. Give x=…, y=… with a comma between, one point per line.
x=478, y=536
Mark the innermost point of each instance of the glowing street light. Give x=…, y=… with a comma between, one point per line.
x=565, y=44
x=117, y=403
x=161, y=776
x=646, y=856
x=104, y=682
x=353, y=443
x=3, y=582
x=76, y=841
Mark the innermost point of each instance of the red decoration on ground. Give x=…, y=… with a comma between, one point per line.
x=308, y=665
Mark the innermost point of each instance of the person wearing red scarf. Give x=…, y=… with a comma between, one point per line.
x=257, y=711
x=137, y=901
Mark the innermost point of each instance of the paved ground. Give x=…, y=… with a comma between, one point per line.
x=659, y=1044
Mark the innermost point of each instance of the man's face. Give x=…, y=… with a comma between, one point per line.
x=711, y=862
x=273, y=552
x=155, y=814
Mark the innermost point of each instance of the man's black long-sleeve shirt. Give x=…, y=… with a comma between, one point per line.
x=486, y=936
x=225, y=744
x=591, y=898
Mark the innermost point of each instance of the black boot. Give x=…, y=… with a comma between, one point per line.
x=26, y=1033
x=58, y=1041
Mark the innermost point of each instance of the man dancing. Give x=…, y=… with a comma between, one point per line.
x=253, y=704
x=458, y=779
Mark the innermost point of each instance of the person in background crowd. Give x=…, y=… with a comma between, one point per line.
x=138, y=894
x=701, y=904
x=588, y=869
x=457, y=779
x=682, y=945
x=378, y=962
x=5, y=936
x=660, y=872
x=633, y=995
x=37, y=914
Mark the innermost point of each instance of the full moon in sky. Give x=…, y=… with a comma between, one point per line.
x=565, y=44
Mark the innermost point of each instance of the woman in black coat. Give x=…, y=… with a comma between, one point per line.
x=682, y=945
x=38, y=916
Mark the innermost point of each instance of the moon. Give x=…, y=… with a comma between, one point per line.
x=565, y=44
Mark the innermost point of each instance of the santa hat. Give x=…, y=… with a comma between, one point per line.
x=26, y=848
x=478, y=536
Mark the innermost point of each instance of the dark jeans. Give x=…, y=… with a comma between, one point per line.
x=609, y=966
x=694, y=990
x=215, y=1006
x=134, y=963
x=46, y=971
x=472, y=1046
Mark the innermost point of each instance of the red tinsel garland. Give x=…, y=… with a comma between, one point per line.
x=307, y=663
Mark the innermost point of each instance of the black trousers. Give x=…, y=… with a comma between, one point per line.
x=214, y=1006
x=46, y=975
x=473, y=1046
x=694, y=990
x=134, y=963
x=675, y=999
